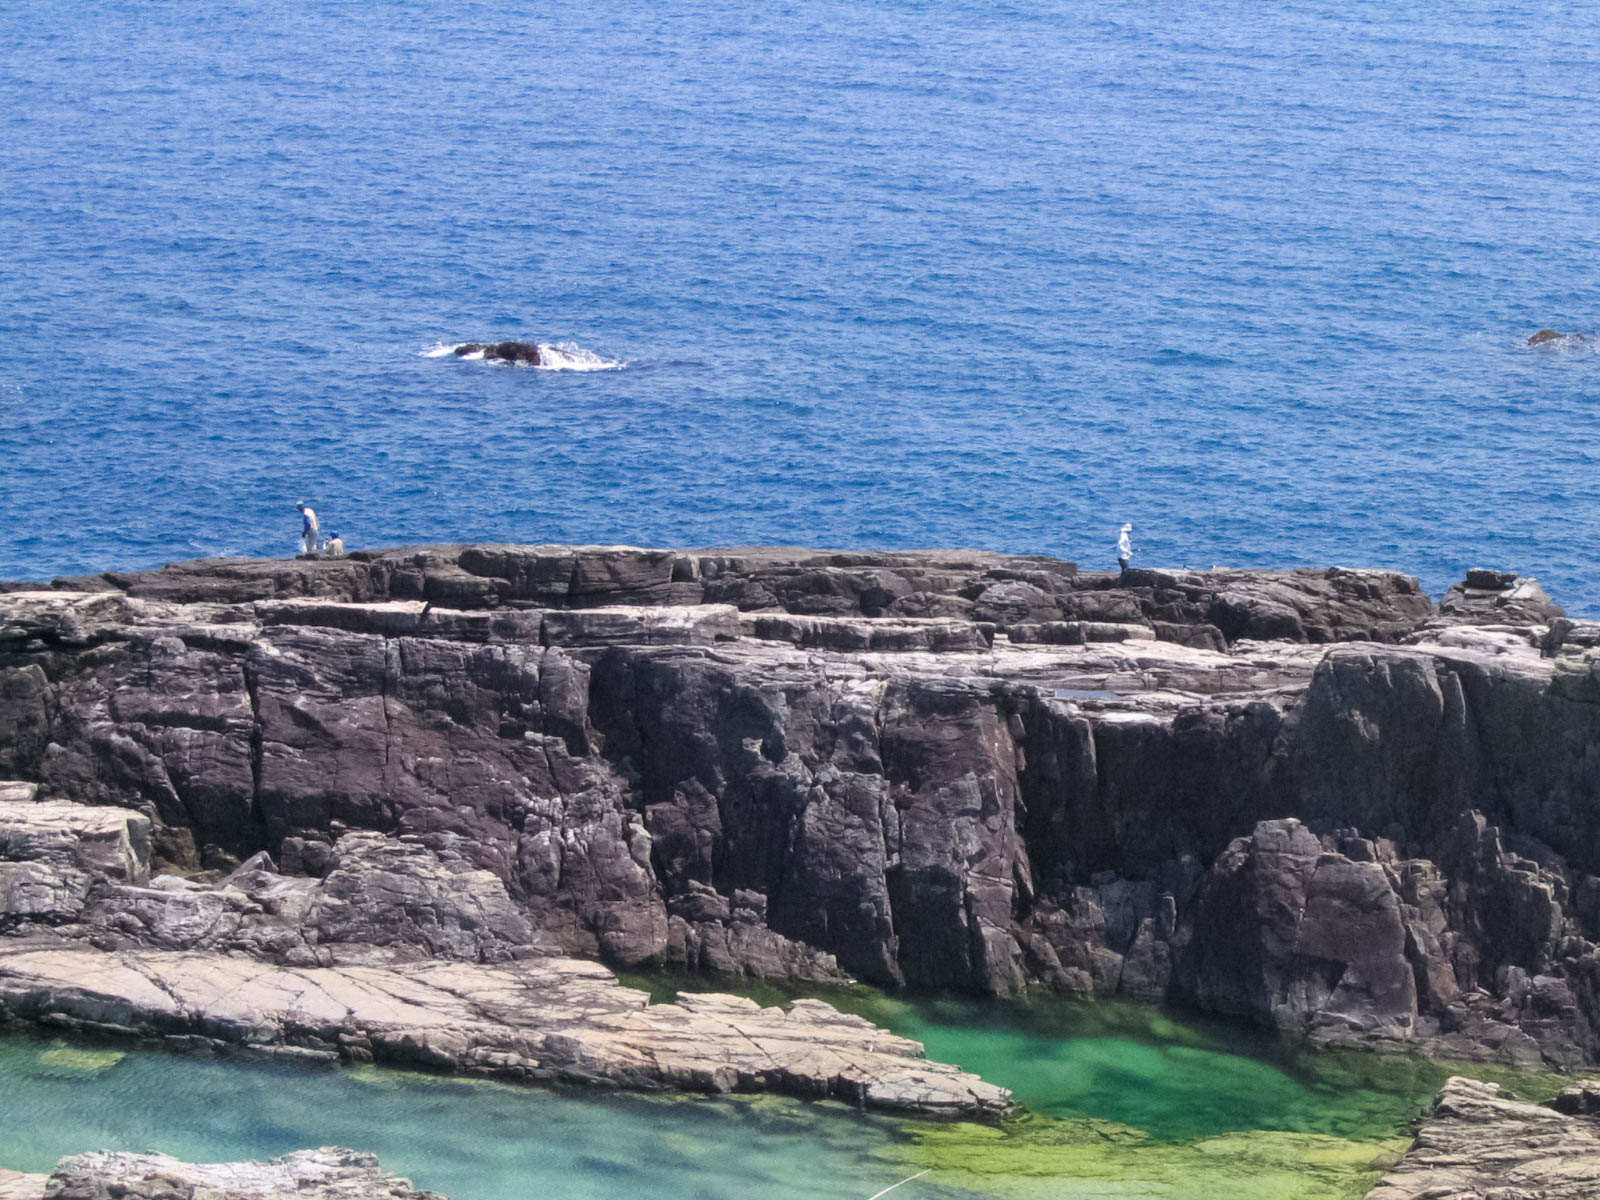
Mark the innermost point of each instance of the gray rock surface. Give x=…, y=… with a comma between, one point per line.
x=1337, y=604
x=1499, y=598
x=19, y=1185
x=1481, y=1145
x=949, y=770
x=326, y=1174
x=52, y=854
x=539, y=1019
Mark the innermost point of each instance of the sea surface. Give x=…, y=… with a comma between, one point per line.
x=1256, y=277
x=1122, y=1101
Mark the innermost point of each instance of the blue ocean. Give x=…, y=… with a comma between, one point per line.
x=1256, y=277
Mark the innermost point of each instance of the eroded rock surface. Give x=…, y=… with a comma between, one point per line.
x=53, y=853
x=1481, y=1145
x=326, y=1174
x=540, y=1019
x=1308, y=798
x=19, y=1185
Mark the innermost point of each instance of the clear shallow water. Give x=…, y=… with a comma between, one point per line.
x=1122, y=1101
x=1255, y=277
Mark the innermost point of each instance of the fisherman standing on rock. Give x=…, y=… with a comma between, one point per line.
x=309, y=528
x=1125, y=546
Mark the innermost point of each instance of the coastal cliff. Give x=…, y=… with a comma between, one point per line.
x=1311, y=799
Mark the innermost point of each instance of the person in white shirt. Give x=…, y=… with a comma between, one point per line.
x=308, y=528
x=335, y=546
x=1125, y=546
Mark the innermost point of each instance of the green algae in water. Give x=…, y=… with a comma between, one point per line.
x=61, y=1057
x=1176, y=1079
x=1125, y=1101
x=1068, y=1159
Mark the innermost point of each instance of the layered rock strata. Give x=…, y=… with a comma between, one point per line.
x=1308, y=798
x=1481, y=1145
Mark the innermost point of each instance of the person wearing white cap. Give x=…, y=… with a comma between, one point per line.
x=1125, y=546
x=308, y=528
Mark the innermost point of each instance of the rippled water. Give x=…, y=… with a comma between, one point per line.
x=1122, y=1100
x=1255, y=277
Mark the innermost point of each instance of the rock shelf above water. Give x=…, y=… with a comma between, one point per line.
x=549, y=1020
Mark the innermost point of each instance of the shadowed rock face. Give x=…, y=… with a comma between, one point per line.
x=949, y=770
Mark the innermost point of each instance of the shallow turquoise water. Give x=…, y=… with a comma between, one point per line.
x=1121, y=1097
x=472, y=1141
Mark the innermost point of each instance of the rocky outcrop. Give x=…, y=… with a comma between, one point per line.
x=53, y=854
x=539, y=1020
x=1191, y=607
x=1554, y=337
x=366, y=957
x=20, y=1185
x=1482, y=1145
x=326, y=1174
x=509, y=352
x=1499, y=598
x=1346, y=943
x=947, y=770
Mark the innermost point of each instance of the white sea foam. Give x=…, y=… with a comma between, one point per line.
x=569, y=356
x=554, y=356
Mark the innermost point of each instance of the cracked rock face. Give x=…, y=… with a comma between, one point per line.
x=1481, y=1145
x=1306, y=798
x=326, y=1174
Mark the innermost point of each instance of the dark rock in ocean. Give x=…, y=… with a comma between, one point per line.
x=511, y=352
x=1305, y=798
x=1551, y=337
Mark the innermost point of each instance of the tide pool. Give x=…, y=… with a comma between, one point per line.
x=1121, y=1101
